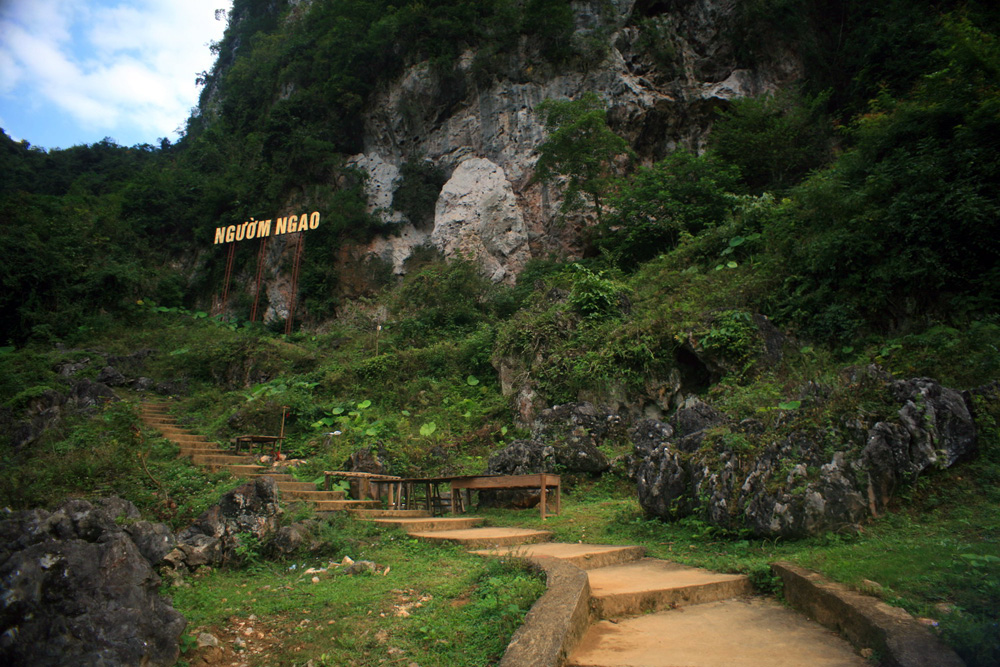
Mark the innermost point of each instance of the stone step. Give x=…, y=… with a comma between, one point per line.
x=237, y=470
x=430, y=524
x=745, y=632
x=298, y=486
x=368, y=515
x=341, y=505
x=313, y=495
x=651, y=585
x=584, y=556
x=194, y=440
x=222, y=459
x=191, y=452
x=485, y=537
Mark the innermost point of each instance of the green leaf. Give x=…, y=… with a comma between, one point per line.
x=736, y=241
x=337, y=411
x=405, y=413
x=364, y=405
x=472, y=380
x=428, y=429
x=790, y=405
x=732, y=265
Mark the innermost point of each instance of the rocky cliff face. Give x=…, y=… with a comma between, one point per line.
x=661, y=67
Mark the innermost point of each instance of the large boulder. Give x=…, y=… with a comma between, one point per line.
x=79, y=588
x=248, y=513
x=794, y=477
x=565, y=438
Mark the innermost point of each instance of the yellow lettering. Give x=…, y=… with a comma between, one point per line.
x=314, y=220
x=230, y=233
x=281, y=226
x=263, y=228
x=220, y=234
x=292, y=223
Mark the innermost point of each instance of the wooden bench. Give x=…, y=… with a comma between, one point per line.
x=541, y=481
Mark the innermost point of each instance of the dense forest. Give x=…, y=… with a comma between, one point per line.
x=856, y=209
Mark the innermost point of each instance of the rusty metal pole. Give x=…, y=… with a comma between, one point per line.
x=295, y=287
x=260, y=273
x=229, y=275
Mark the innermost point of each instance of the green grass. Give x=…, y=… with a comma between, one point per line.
x=429, y=604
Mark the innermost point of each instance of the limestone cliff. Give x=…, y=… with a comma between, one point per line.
x=661, y=68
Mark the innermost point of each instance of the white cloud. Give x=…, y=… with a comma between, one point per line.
x=110, y=64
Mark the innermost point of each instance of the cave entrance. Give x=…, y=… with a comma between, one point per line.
x=695, y=376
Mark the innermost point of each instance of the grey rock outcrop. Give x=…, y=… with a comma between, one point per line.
x=79, y=588
x=248, y=511
x=48, y=409
x=564, y=438
x=805, y=479
x=485, y=132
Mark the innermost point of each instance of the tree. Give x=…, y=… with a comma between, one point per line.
x=683, y=194
x=580, y=146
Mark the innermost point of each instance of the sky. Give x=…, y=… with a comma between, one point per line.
x=76, y=71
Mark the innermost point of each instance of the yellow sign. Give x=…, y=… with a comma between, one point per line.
x=258, y=229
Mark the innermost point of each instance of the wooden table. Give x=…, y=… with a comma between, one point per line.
x=433, y=501
x=541, y=481
x=251, y=440
x=365, y=482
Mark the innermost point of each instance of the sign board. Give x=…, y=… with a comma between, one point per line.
x=259, y=229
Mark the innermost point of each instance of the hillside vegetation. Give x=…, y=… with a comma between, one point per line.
x=857, y=211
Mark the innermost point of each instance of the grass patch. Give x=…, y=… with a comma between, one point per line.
x=434, y=605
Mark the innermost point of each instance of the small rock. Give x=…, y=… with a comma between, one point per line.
x=206, y=639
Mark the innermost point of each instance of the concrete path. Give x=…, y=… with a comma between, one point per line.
x=646, y=612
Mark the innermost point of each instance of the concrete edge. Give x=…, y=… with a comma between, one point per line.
x=867, y=622
x=557, y=621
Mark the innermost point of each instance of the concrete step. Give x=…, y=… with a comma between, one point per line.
x=368, y=515
x=194, y=440
x=430, y=524
x=313, y=495
x=222, y=459
x=746, y=632
x=485, y=537
x=237, y=470
x=341, y=505
x=298, y=486
x=584, y=556
x=652, y=585
x=191, y=452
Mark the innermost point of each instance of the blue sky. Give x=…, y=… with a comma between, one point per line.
x=76, y=71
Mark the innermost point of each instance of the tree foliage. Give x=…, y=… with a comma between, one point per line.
x=680, y=196
x=581, y=147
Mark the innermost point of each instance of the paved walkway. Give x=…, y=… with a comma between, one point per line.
x=647, y=612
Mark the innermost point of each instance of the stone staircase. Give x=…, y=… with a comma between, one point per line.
x=646, y=612
x=205, y=453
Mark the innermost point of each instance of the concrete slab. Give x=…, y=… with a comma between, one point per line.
x=584, y=556
x=486, y=537
x=651, y=585
x=377, y=514
x=430, y=524
x=747, y=632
